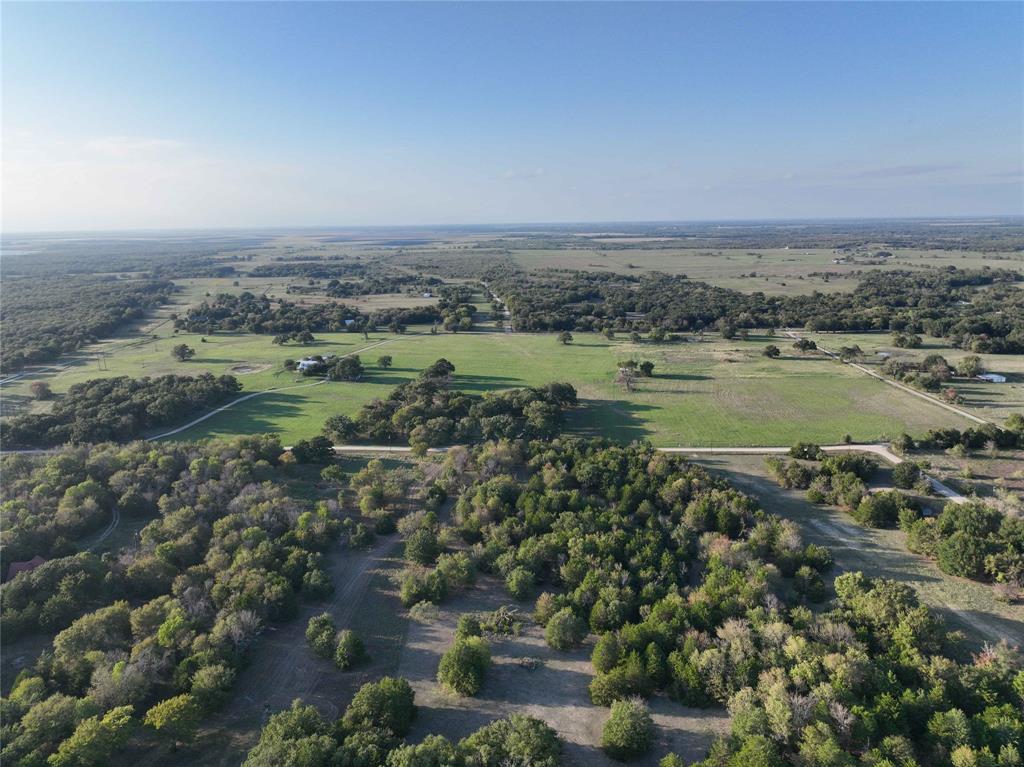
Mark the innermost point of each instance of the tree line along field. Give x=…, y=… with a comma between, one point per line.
x=703, y=393
x=774, y=271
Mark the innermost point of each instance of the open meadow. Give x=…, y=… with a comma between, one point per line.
x=708, y=392
x=994, y=401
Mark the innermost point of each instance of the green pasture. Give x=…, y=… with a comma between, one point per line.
x=988, y=400
x=710, y=392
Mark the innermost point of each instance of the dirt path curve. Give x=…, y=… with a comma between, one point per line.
x=115, y=518
x=897, y=384
x=245, y=397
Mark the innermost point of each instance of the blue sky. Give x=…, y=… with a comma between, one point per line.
x=294, y=114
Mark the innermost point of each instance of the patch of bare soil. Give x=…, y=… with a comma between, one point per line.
x=254, y=368
x=555, y=691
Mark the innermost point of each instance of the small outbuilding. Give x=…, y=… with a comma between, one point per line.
x=24, y=567
x=992, y=378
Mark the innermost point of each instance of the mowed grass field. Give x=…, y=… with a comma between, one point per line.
x=708, y=393
x=988, y=400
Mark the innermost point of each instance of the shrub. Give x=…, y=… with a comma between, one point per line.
x=629, y=731
x=421, y=547
x=806, y=450
x=863, y=466
x=621, y=682
x=386, y=704
x=434, y=751
x=606, y=653
x=545, y=607
x=362, y=537
x=565, y=630
x=809, y=584
x=457, y=569
x=962, y=554
x=468, y=626
x=424, y=612
x=350, y=650
x=879, y=509
x=463, y=666
x=520, y=583
x=320, y=632
x=419, y=587
x=905, y=475
x=517, y=740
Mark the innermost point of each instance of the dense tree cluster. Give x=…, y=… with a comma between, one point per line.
x=322, y=269
x=285, y=319
x=426, y=412
x=120, y=408
x=974, y=438
x=971, y=540
x=980, y=309
x=259, y=314
x=372, y=729
x=226, y=552
x=456, y=310
x=45, y=317
x=382, y=283
x=696, y=592
x=870, y=682
x=840, y=479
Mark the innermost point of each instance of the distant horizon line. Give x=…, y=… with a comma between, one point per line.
x=516, y=224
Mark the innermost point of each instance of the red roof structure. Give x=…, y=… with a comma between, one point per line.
x=24, y=567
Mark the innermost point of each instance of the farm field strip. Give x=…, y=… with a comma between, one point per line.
x=708, y=393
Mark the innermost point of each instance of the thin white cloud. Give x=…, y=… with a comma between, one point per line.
x=131, y=146
x=902, y=171
x=531, y=173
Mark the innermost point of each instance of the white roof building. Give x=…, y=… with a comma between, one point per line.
x=992, y=378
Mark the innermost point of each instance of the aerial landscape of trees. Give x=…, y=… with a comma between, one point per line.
x=161, y=631
x=44, y=317
x=120, y=408
x=696, y=593
x=970, y=307
x=426, y=412
x=149, y=573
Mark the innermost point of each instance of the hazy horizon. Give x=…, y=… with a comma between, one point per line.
x=127, y=117
x=516, y=226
